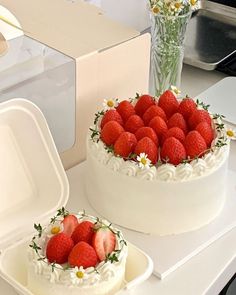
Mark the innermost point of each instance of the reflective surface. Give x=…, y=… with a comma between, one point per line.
x=46, y=77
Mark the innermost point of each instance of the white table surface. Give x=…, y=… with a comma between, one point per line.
x=210, y=270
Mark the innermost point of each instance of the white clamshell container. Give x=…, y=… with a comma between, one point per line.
x=33, y=186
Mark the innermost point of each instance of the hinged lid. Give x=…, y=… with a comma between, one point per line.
x=33, y=182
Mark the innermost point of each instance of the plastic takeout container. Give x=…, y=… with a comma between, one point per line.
x=33, y=186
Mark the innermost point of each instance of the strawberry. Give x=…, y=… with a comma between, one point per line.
x=195, y=144
x=173, y=151
x=206, y=132
x=175, y=132
x=125, y=109
x=168, y=103
x=104, y=242
x=186, y=107
x=83, y=232
x=147, y=146
x=158, y=125
x=177, y=120
x=111, y=115
x=197, y=117
x=152, y=112
x=143, y=103
x=110, y=132
x=133, y=123
x=125, y=144
x=70, y=222
x=58, y=248
x=147, y=132
x=84, y=255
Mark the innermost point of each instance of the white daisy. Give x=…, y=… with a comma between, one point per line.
x=231, y=133
x=78, y=275
x=143, y=161
x=175, y=90
x=54, y=228
x=109, y=104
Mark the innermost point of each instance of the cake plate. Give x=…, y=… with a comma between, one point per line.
x=167, y=252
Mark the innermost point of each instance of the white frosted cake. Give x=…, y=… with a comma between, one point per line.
x=76, y=255
x=146, y=174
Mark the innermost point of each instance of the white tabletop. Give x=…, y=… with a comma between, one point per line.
x=210, y=270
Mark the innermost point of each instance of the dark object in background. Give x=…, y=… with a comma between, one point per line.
x=230, y=288
x=231, y=3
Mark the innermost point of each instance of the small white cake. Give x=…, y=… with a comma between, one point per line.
x=164, y=198
x=52, y=278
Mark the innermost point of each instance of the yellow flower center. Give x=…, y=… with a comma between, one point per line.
x=110, y=103
x=80, y=274
x=177, y=5
x=55, y=230
x=155, y=10
x=230, y=133
x=193, y=2
x=143, y=161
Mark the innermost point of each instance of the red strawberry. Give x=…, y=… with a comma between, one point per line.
x=143, y=103
x=83, y=232
x=111, y=115
x=187, y=107
x=84, y=255
x=206, y=132
x=125, y=109
x=110, y=132
x=158, y=125
x=147, y=146
x=168, y=103
x=173, y=151
x=152, y=112
x=104, y=242
x=147, y=132
x=58, y=248
x=133, y=123
x=177, y=120
x=70, y=222
x=195, y=144
x=197, y=117
x=174, y=132
x=125, y=144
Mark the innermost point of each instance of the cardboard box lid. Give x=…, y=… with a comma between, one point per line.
x=74, y=28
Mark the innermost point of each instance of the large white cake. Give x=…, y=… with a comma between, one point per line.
x=107, y=277
x=164, y=199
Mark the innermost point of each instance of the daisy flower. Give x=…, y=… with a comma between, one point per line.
x=109, y=104
x=175, y=90
x=78, y=275
x=54, y=228
x=143, y=161
x=231, y=133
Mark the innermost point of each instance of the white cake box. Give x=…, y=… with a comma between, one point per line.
x=108, y=60
x=33, y=186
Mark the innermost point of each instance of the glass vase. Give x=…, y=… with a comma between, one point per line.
x=167, y=51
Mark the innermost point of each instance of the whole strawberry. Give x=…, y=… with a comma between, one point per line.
x=206, y=132
x=125, y=144
x=195, y=144
x=83, y=232
x=143, y=103
x=111, y=115
x=168, y=103
x=69, y=222
x=133, y=123
x=125, y=109
x=177, y=120
x=186, y=107
x=174, y=132
x=147, y=132
x=173, y=151
x=110, y=132
x=159, y=126
x=84, y=255
x=58, y=248
x=147, y=146
x=104, y=242
x=152, y=112
x=197, y=117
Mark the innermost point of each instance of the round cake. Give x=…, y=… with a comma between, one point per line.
x=157, y=165
x=76, y=255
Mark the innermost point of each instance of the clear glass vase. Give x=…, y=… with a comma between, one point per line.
x=167, y=51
